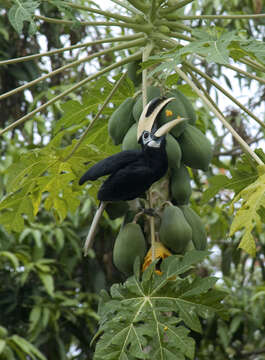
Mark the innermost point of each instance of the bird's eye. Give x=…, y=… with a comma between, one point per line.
x=145, y=135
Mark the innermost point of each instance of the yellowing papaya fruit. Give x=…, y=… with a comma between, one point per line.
x=132, y=72
x=152, y=92
x=199, y=236
x=129, y=244
x=180, y=188
x=121, y=120
x=173, y=151
x=130, y=139
x=175, y=232
x=196, y=148
x=116, y=209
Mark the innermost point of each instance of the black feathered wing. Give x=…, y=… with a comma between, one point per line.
x=128, y=182
x=110, y=165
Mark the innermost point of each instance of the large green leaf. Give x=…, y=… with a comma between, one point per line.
x=247, y=216
x=144, y=318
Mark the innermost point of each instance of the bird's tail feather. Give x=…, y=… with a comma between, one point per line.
x=93, y=227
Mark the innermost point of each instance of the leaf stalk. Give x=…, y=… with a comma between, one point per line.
x=242, y=143
x=72, y=88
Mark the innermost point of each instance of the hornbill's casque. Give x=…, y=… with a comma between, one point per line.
x=132, y=172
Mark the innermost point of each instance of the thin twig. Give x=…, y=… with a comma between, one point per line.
x=243, y=144
x=235, y=150
x=68, y=91
x=79, y=142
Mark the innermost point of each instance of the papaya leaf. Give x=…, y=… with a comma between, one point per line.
x=248, y=217
x=144, y=319
x=78, y=113
x=23, y=11
x=26, y=347
x=216, y=183
x=242, y=175
x=211, y=44
x=255, y=49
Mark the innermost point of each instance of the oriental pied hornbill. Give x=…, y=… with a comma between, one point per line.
x=132, y=172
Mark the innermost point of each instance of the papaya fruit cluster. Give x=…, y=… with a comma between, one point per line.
x=186, y=146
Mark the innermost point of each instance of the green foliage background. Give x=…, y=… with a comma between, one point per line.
x=49, y=293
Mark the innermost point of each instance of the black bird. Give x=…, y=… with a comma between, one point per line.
x=132, y=172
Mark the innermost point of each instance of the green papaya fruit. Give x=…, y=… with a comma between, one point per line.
x=121, y=120
x=199, y=236
x=152, y=92
x=173, y=151
x=196, y=148
x=191, y=114
x=129, y=244
x=175, y=233
x=116, y=209
x=180, y=187
x=130, y=139
x=171, y=111
x=133, y=68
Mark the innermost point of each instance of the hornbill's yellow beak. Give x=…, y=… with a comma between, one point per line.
x=164, y=129
x=149, y=115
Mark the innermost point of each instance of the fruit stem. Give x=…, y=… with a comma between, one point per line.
x=242, y=143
